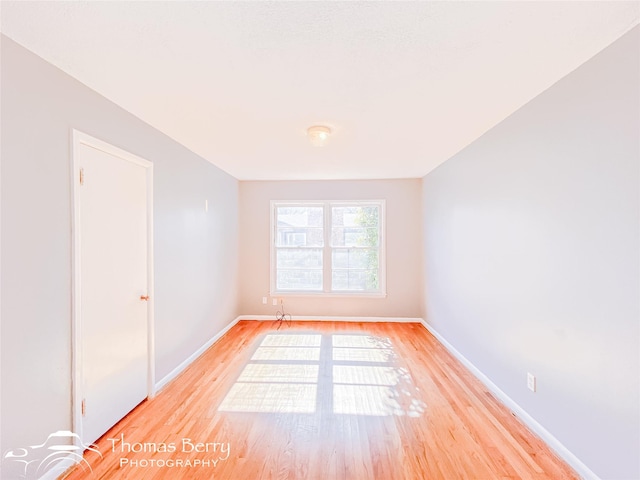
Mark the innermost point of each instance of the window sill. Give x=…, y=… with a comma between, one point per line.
x=329, y=294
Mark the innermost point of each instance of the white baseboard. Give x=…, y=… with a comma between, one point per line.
x=555, y=444
x=324, y=318
x=180, y=368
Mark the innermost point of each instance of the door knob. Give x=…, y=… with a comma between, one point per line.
x=144, y=297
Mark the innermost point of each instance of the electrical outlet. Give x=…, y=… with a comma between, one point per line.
x=274, y=301
x=264, y=300
x=531, y=382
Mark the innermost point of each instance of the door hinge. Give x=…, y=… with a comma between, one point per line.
x=84, y=407
x=82, y=176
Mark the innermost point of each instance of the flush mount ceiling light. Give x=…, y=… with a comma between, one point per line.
x=318, y=135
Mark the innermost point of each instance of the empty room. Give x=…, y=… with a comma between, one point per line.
x=320, y=240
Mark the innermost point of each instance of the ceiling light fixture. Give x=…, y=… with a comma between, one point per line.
x=318, y=135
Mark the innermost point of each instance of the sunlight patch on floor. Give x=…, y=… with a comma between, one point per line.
x=361, y=355
x=270, y=398
x=279, y=373
x=291, y=340
x=365, y=375
x=286, y=353
x=293, y=373
x=364, y=400
x=375, y=400
x=360, y=341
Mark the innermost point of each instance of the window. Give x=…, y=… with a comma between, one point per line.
x=328, y=247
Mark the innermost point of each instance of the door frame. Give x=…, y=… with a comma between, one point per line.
x=80, y=138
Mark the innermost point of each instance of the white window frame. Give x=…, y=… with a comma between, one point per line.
x=327, y=249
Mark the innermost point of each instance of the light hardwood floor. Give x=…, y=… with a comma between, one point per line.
x=324, y=400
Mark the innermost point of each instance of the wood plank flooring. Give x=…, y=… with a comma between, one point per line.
x=323, y=400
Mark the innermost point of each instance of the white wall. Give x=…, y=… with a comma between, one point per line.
x=402, y=245
x=195, y=253
x=531, y=250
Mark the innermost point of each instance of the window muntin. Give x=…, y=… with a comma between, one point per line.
x=328, y=247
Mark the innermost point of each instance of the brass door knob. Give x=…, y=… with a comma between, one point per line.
x=144, y=297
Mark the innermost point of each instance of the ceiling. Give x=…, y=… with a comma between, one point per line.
x=403, y=85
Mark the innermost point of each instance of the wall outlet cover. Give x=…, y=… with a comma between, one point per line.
x=531, y=382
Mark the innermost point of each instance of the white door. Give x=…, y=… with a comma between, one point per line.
x=112, y=257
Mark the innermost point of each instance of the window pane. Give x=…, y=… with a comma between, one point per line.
x=340, y=280
x=354, y=237
x=355, y=226
x=299, y=279
x=354, y=280
x=300, y=216
x=360, y=258
x=340, y=258
x=299, y=227
x=355, y=216
x=299, y=237
x=299, y=258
